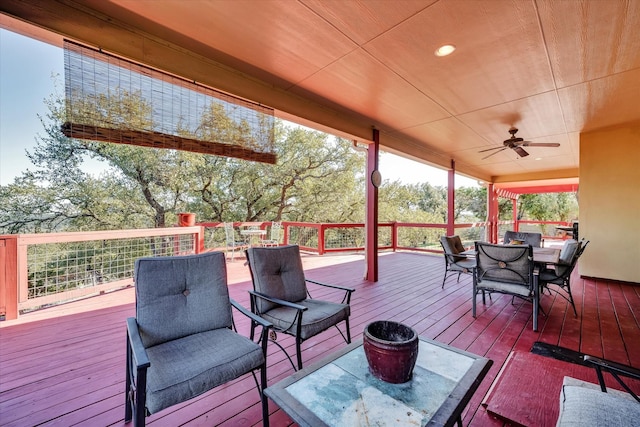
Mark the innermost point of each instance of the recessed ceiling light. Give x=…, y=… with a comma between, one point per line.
x=445, y=50
x=538, y=158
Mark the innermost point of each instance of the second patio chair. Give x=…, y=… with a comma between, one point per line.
x=506, y=269
x=281, y=297
x=453, y=262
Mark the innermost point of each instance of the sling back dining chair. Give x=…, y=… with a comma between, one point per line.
x=232, y=244
x=557, y=278
x=281, y=297
x=506, y=269
x=453, y=262
x=182, y=341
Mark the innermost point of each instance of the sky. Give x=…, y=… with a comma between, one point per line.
x=27, y=70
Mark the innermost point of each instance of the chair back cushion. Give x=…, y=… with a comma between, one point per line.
x=181, y=295
x=567, y=256
x=277, y=272
x=452, y=245
x=533, y=239
x=504, y=263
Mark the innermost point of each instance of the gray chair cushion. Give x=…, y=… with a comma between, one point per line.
x=567, y=254
x=277, y=272
x=206, y=360
x=319, y=316
x=179, y=296
x=585, y=406
x=466, y=265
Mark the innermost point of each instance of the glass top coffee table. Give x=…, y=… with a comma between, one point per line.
x=340, y=390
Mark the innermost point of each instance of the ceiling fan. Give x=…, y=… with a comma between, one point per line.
x=516, y=145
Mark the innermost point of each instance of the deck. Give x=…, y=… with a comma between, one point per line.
x=64, y=365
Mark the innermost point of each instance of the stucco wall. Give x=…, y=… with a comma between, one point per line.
x=609, y=198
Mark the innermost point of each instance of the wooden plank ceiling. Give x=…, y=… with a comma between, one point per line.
x=551, y=68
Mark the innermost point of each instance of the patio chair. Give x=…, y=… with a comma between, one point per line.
x=506, y=269
x=517, y=237
x=182, y=341
x=560, y=274
x=454, y=263
x=232, y=244
x=274, y=235
x=281, y=297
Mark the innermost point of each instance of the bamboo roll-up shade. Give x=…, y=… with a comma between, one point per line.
x=111, y=99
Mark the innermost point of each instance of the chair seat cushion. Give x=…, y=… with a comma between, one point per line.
x=319, y=316
x=504, y=287
x=588, y=406
x=465, y=265
x=192, y=365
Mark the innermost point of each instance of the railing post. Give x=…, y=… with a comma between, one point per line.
x=321, y=247
x=199, y=243
x=285, y=237
x=9, y=277
x=394, y=235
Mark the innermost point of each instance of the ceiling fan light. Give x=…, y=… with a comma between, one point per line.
x=445, y=50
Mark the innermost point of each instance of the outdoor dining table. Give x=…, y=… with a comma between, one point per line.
x=541, y=256
x=252, y=235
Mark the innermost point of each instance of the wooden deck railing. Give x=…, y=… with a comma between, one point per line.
x=37, y=270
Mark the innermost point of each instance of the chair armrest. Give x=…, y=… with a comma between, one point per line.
x=608, y=365
x=262, y=322
x=348, y=291
x=614, y=369
x=135, y=342
x=279, y=301
x=331, y=286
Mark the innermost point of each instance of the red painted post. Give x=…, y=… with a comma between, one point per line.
x=451, y=199
x=371, y=221
x=9, y=276
x=514, y=208
x=321, y=247
x=492, y=213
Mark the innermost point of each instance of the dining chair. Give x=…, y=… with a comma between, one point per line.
x=557, y=278
x=453, y=262
x=274, y=235
x=182, y=341
x=506, y=269
x=280, y=296
x=233, y=245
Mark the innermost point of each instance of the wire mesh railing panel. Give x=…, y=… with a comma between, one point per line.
x=59, y=267
x=303, y=236
x=420, y=237
x=348, y=237
x=471, y=235
x=385, y=236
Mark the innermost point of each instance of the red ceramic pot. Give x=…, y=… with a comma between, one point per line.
x=391, y=349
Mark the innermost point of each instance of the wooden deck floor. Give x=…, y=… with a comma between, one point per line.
x=64, y=365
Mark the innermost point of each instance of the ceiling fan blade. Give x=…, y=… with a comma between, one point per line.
x=540, y=144
x=520, y=151
x=489, y=149
x=495, y=152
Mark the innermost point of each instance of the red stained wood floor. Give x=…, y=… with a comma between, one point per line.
x=64, y=365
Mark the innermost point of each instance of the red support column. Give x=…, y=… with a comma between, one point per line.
x=451, y=199
x=492, y=213
x=371, y=220
x=514, y=209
